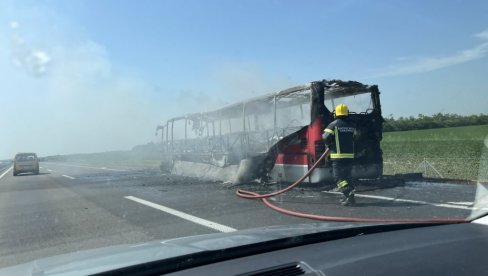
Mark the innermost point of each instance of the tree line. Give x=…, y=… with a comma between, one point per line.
x=438, y=120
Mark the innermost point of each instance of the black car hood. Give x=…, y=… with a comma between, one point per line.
x=114, y=257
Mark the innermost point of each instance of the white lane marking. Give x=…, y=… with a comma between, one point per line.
x=5, y=172
x=408, y=200
x=305, y=196
x=40, y=167
x=89, y=167
x=67, y=176
x=49, y=170
x=197, y=220
x=467, y=203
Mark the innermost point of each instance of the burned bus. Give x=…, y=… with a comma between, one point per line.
x=275, y=137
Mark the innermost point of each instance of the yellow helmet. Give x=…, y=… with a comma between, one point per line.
x=341, y=110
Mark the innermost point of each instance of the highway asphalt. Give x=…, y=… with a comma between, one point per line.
x=71, y=207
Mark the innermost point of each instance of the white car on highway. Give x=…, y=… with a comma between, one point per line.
x=26, y=162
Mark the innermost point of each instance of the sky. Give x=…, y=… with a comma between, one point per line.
x=91, y=76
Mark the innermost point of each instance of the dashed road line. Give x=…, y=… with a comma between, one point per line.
x=408, y=201
x=49, y=170
x=197, y=220
x=5, y=172
x=67, y=176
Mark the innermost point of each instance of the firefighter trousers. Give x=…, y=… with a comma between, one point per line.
x=341, y=171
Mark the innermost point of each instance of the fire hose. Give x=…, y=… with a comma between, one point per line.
x=264, y=199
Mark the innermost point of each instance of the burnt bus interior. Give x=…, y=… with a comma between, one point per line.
x=286, y=125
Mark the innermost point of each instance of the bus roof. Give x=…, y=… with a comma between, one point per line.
x=295, y=96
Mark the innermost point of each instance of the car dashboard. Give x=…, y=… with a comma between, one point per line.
x=456, y=249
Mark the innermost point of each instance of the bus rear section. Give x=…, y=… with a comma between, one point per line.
x=297, y=154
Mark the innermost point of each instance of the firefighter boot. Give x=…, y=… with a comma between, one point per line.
x=349, y=199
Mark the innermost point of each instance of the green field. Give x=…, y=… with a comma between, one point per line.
x=456, y=152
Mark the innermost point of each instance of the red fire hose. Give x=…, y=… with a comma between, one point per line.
x=263, y=197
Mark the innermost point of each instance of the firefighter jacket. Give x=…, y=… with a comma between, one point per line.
x=339, y=136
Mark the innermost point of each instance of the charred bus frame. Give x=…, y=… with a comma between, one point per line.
x=226, y=136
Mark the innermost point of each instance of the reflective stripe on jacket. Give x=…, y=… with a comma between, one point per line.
x=339, y=137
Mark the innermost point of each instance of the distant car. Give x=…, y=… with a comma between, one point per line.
x=26, y=162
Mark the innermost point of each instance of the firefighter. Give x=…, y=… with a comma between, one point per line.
x=339, y=136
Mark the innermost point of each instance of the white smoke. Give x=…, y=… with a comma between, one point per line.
x=84, y=102
x=242, y=80
x=33, y=60
x=79, y=103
